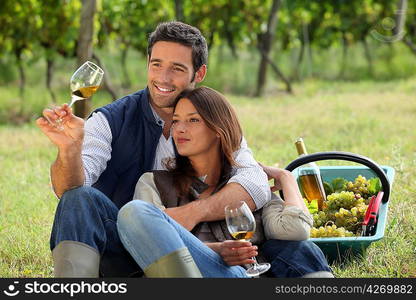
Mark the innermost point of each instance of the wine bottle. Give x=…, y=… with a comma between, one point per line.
x=310, y=181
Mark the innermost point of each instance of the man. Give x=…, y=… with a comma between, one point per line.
x=117, y=144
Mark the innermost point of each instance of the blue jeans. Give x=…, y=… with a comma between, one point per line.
x=88, y=216
x=293, y=258
x=149, y=234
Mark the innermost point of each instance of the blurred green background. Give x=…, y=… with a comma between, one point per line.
x=341, y=74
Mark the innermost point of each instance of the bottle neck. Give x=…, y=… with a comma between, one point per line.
x=300, y=147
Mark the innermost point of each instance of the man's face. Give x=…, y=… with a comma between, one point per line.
x=169, y=72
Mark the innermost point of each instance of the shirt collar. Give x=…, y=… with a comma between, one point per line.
x=150, y=113
x=158, y=119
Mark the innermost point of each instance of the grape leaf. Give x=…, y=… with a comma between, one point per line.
x=328, y=188
x=375, y=185
x=312, y=206
x=335, y=186
x=339, y=184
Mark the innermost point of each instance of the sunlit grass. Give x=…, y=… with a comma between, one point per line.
x=26, y=203
x=369, y=118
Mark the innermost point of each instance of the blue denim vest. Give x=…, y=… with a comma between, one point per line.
x=135, y=135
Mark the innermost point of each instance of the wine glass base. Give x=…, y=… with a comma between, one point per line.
x=257, y=269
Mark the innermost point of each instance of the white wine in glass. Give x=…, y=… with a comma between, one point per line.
x=84, y=83
x=241, y=224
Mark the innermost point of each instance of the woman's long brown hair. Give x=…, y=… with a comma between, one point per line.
x=220, y=117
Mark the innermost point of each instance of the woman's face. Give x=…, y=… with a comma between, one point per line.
x=191, y=134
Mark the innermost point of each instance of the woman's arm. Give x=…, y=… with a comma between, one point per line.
x=289, y=219
x=146, y=190
x=284, y=180
x=285, y=222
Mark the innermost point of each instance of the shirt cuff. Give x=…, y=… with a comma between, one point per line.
x=87, y=178
x=261, y=194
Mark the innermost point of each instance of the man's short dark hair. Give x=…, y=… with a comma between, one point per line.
x=184, y=34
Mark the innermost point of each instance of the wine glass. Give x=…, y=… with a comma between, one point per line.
x=242, y=225
x=84, y=83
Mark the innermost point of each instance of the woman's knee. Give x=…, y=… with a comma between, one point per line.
x=135, y=215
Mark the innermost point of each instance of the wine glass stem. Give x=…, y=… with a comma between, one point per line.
x=59, y=121
x=255, y=264
x=71, y=103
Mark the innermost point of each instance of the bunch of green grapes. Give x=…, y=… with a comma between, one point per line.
x=330, y=231
x=351, y=219
x=344, y=199
x=330, y=214
x=359, y=186
x=319, y=218
x=343, y=211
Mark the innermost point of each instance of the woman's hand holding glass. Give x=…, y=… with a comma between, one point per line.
x=236, y=253
x=242, y=225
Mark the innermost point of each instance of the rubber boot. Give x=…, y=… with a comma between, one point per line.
x=177, y=264
x=75, y=259
x=319, y=274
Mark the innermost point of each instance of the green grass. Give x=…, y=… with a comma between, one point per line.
x=375, y=119
x=26, y=203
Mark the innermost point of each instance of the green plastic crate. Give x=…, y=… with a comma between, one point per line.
x=338, y=249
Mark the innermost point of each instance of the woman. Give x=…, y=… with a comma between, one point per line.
x=206, y=132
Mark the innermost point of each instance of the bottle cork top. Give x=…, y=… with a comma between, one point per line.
x=300, y=146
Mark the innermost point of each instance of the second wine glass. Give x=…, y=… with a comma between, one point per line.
x=241, y=224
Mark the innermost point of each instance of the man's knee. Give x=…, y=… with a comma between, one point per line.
x=292, y=249
x=308, y=248
x=84, y=215
x=297, y=258
x=76, y=195
x=287, y=244
x=81, y=197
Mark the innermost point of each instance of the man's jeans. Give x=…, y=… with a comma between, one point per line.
x=86, y=215
x=293, y=258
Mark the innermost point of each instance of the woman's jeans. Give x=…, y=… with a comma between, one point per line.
x=149, y=234
x=88, y=216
